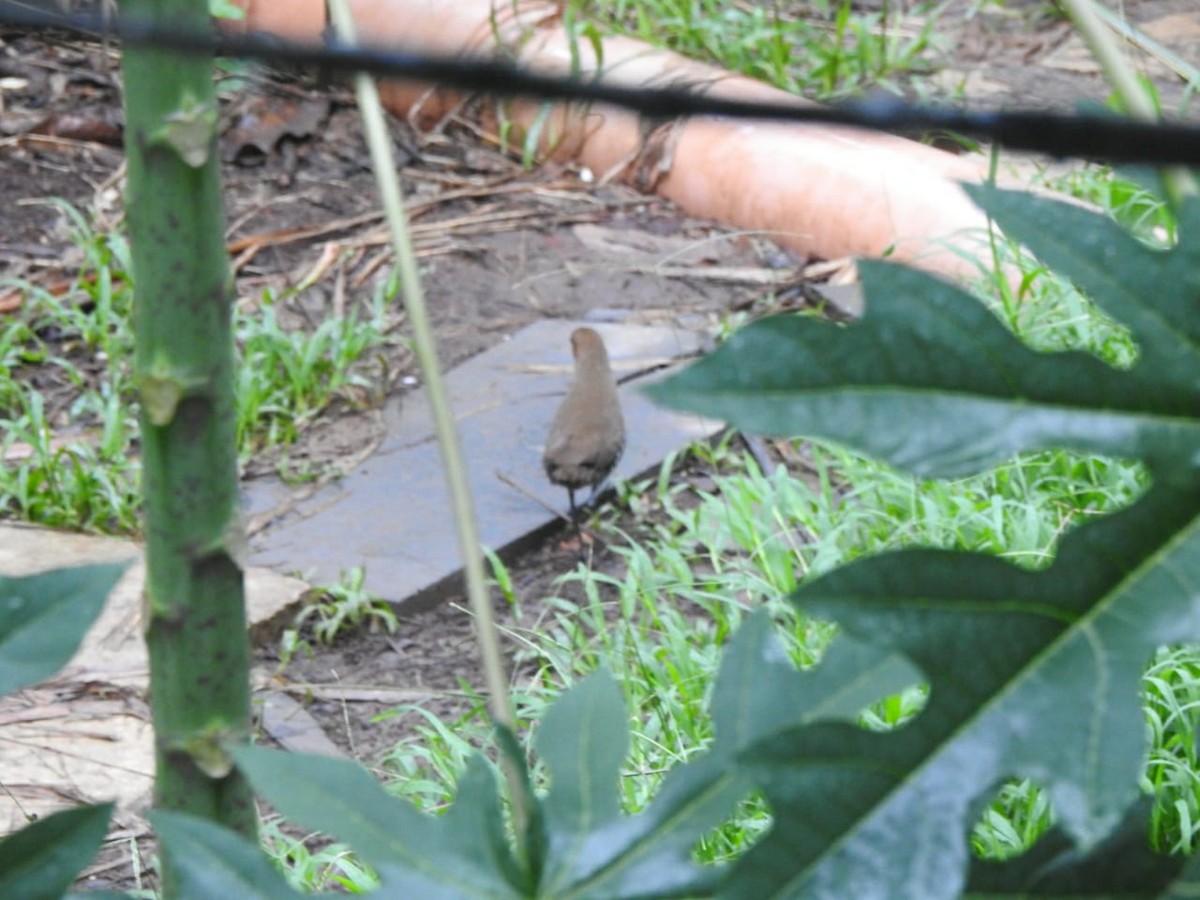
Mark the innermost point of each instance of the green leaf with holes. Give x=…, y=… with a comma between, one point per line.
x=931, y=381
x=1032, y=674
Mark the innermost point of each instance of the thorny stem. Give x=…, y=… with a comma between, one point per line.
x=379, y=143
x=194, y=615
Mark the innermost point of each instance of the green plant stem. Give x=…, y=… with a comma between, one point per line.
x=379, y=144
x=1178, y=182
x=194, y=612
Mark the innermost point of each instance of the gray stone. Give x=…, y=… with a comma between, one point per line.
x=846, y=299
x=392, y=513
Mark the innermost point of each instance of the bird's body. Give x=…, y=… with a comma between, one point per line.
x=587, y=435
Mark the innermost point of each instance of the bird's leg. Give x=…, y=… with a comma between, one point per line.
x=597, y=489
x=575, y=517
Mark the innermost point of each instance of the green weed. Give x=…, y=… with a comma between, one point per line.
x=1013, y=822
x=332, y=866
x=336, y=608
x=69, y=409
x=827, y=51
x=1131, y=197
x=1171, y=694
x=71, y=463
x=287, y=377
x=424, y=768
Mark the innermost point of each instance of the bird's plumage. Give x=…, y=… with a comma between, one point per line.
x=587, y=435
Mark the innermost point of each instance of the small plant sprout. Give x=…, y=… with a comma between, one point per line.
x=344, y=606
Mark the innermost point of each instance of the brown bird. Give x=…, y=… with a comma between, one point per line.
x=587, y=435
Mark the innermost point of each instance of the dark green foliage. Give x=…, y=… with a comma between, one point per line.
x=1032, y=674
x=583, y=846
x=44, y=617
x=40, y=861
x=460, y=854
x=215, y=861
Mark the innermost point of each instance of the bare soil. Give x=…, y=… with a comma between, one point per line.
x=500, y=248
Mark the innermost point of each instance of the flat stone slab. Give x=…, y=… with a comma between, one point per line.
x=392, y=513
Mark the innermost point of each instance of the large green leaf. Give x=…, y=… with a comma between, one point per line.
x=593, y=850
x=759, y=692
x=931, y=381
x=40, y=861
x=583, y=740
x=44, y=617
x=462, y=854
x=210, y=862
x=1154, y=292
x=1033, y=674
x=596, y=852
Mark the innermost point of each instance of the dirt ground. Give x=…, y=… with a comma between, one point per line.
x=500, y=247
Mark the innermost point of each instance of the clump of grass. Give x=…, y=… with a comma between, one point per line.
x=1125, y=196
x=330, y=866
x=1013, y=822
x=71, y=461
x=72, y=466
x=334, y=609
x=78, y=485
x=825, y=50
x=424, y=768
x=287, y=377
x=1171, y=695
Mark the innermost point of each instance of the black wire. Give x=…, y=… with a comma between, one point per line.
x=1100, y=137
